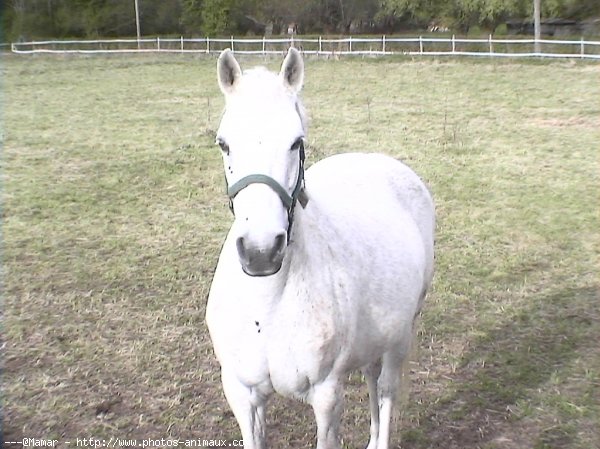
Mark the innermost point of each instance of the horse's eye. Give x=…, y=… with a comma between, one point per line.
x=297, y=144
x=223, y=145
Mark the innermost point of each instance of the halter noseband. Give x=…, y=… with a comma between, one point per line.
x=289, y=201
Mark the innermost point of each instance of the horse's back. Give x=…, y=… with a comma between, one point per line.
x=375, y=184
x=364, y=173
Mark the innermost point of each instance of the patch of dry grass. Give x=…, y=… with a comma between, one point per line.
x=114, y=213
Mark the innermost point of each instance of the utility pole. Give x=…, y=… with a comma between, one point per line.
x=536, y=25
x=137, y=22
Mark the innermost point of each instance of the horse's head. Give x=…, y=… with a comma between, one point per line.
x=262, y=139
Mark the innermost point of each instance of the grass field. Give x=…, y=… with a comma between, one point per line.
x=114, y=212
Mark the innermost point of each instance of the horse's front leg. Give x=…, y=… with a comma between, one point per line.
x=248, y=406
x=326, y=399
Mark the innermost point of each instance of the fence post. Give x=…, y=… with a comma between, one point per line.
x=181, y=38
x=582, y=48
x=421, y=45
x=320, y=46
x=491, y=44
x=263, y=46
x=231, y=43
x=158, y=43
x=453, y=44
x=207, y=45
x=383, y=44
x=350, y=45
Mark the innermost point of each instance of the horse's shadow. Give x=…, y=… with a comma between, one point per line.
x=504, y=370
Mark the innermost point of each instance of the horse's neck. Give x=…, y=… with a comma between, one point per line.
x=295, y=268
x=305, y=283
x=304, y=253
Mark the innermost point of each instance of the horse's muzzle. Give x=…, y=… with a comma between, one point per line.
x=262, y=260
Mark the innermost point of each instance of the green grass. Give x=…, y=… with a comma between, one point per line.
x=114, y=212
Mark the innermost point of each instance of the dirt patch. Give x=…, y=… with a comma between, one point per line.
x=568, y=122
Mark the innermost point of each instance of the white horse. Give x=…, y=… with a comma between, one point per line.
x=303, y=295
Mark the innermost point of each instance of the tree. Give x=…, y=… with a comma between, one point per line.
x=217, y=17
x=191, y=16
x=159, y=17
x=494, y=12
x=416, y=11
x=571, y=9
x=28, y=19
x=33, y=19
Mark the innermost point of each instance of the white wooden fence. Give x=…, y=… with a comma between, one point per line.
x=373, y=46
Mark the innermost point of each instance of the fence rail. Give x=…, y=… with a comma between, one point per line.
x=373, y=46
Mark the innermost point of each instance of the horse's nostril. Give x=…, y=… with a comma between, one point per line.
x=241, y=248
x=279, y=246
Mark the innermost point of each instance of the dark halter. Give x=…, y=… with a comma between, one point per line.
x=288, y=200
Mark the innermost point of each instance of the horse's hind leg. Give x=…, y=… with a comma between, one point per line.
x=371, y=373
x=388, y=384
x=392, y=377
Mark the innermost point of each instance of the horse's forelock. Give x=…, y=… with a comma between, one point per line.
x=259, y=82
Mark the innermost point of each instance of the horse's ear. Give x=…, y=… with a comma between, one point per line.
x=292, y=70
x=228, y=71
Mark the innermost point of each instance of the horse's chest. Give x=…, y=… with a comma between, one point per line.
x=299, y=353
x=285, y=344
x=286, y=358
